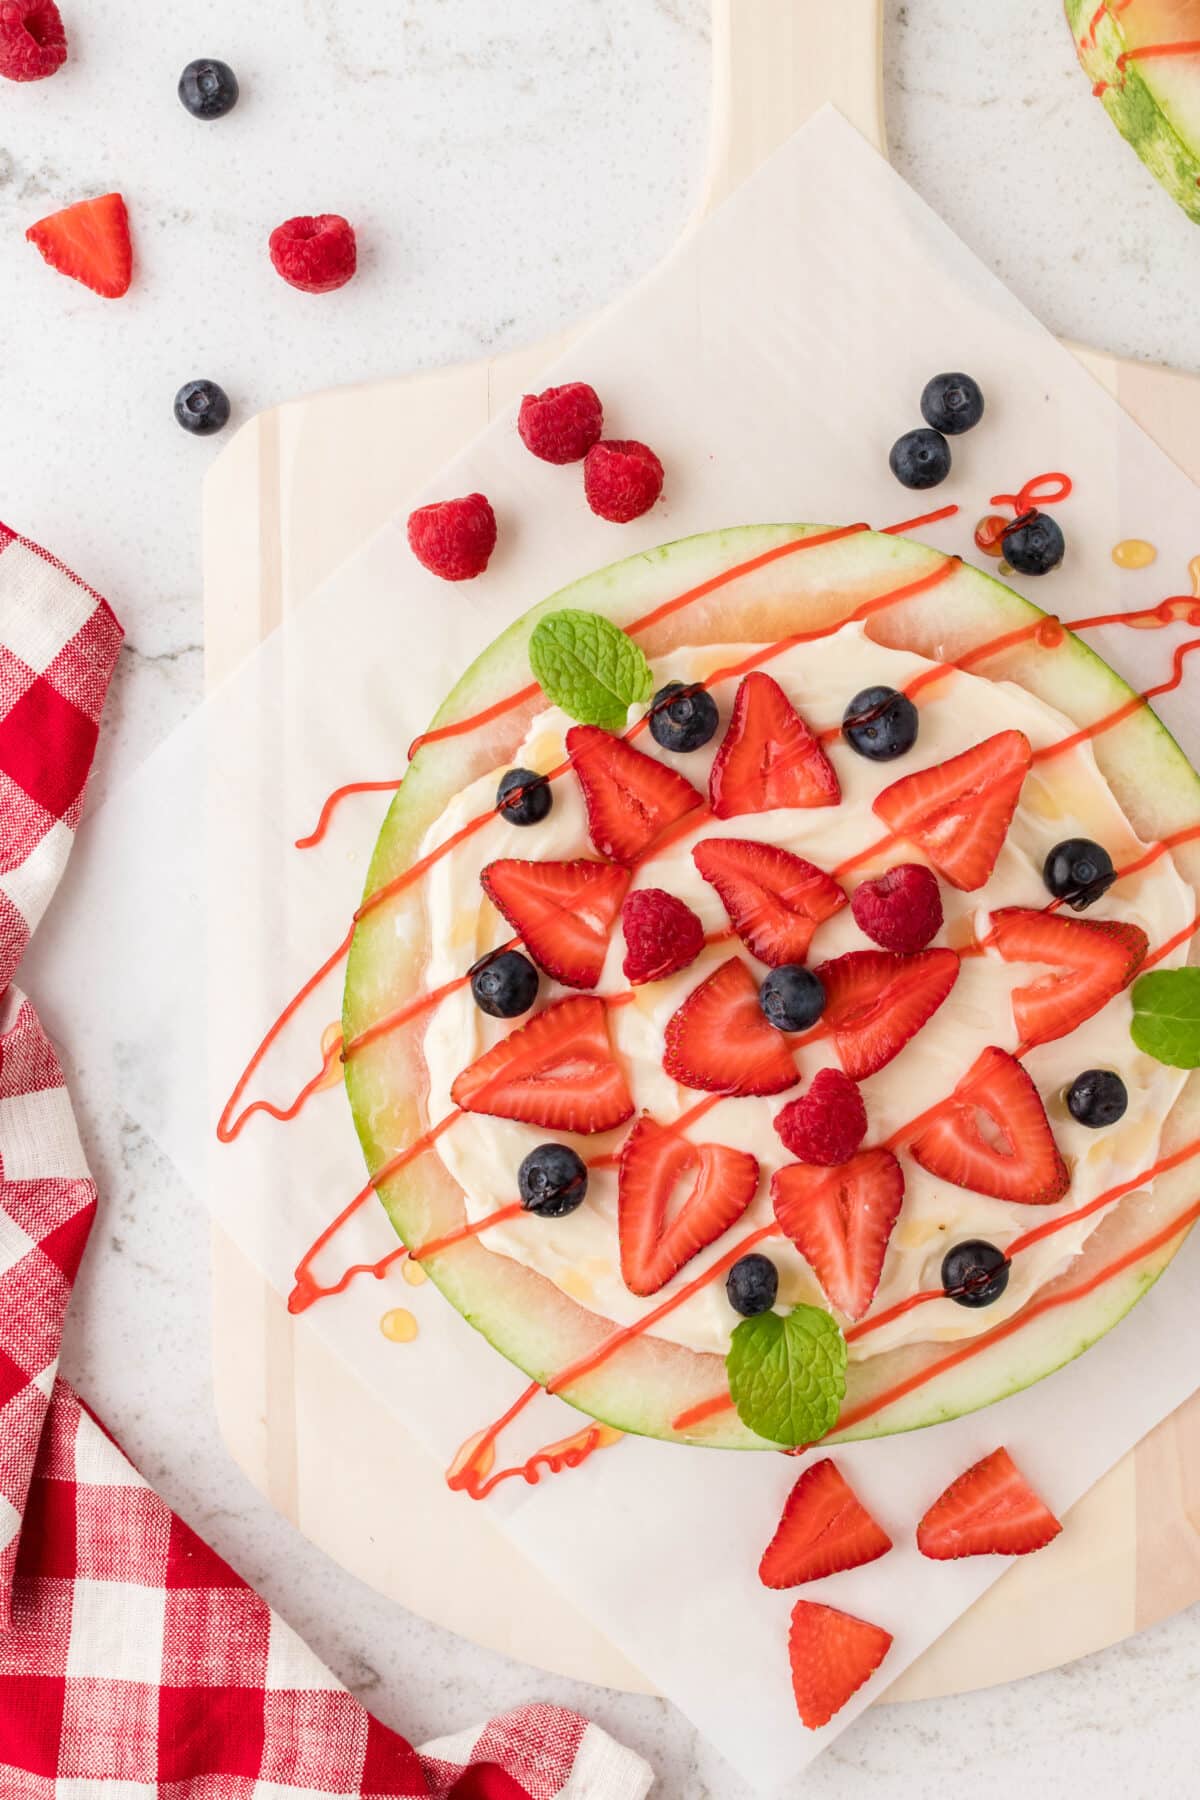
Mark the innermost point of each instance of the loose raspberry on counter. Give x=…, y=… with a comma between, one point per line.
x=622, y=479
x=901, y=910
x=33, y=39
x=826, y=1125
x=561, y=424
x=454, y=538
x=315, y=254
x=662, y=935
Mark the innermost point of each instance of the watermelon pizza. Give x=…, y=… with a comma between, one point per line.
x=737, y=1021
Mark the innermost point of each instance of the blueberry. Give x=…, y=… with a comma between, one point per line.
x=208, y=88
x=202, y=407
x=1078, y=872
x=975, y=1273
x=531, y=800
x=792, y=998
x=505, y=985
x=881, y=723
x=1097, y=1098
x=920, y=459
x=1034, y=544
x=552, y=1181
x=952, y=404
x=682, y=718
x=752, y=1285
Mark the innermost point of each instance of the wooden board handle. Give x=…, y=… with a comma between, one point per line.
x=775, y=62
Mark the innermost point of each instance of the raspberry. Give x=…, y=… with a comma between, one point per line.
x=662, y=935
x=454, y=538
x=562, y=424
x=622, y=479
x=317, y=254
x=827, y=1124
x=33, y=41
x=901, y=910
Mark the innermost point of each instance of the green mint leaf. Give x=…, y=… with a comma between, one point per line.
x=1166, y=1017
x=787, y=1374
x=588, y=666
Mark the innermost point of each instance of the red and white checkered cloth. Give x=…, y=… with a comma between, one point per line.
x=134, y=1663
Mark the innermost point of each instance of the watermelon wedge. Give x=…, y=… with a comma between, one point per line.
x=751, y=586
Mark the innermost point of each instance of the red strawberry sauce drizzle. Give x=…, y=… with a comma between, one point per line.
x=470, y=1472
x=1139, y=53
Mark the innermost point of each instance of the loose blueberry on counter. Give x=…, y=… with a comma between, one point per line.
x=792, y=998
x=208, y=88
x=682, y=718
x=504, y=986
x=920, y=459
x=975, y=1273
x=1079, y=872
x=531, y=797
x=552, y=1181
x=1097, y=1098
x=952, y=404
x=752, y=1284
x=1034, y=544
x=202, y=407
x=881, y=723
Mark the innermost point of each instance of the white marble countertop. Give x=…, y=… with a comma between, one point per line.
x=508, y=169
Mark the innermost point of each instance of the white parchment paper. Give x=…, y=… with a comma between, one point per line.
x=771, y=364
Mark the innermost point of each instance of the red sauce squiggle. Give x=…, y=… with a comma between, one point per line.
x=308, y=1289
x=228, y=1127
x=335, y=799
x=470, y=1472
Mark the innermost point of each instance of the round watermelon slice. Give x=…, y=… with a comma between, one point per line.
x=750, y=586
x=1143, y=57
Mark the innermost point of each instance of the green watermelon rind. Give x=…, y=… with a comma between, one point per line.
x=1145, y=116
x=523, y=1315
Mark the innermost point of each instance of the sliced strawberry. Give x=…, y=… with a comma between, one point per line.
x=1095, y=959
x=768, y=757
x=840, y=1220
x=876, y=1000
x=992, y=1136
x=558, y=1071
x=716, y=1183
x=775, y=900
x=825, y=1528
x=720, y=1042
x=959, y=812
x=630, y=797
x=832, y=1655
x=564, y=911
x=89, y=242
x=991, y=1510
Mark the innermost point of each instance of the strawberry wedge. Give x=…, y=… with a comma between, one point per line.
x=959, y=812
x=876, y=1000
x=992, y=1136
x=89, y=242
x=841, y=1221
x=659, y=1233
x=1093, y=959
x=558, y=1071
x=564, y=911
x=631, y=798
x=768, y=758
x=991, y=1510
x=825, y=1528
x=775, y=900
x=832, y=1654
x=719, y=1041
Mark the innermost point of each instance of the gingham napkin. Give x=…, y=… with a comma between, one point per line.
x=134, y=1663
